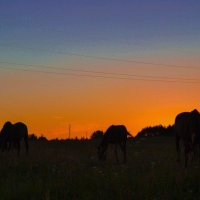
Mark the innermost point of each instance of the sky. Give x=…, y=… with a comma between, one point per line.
x=90, y=64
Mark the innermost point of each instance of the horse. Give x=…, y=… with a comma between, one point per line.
x=12, y=134
x=117, y=135
x=187, y=131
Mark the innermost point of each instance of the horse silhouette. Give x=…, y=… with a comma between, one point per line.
x=117, y=135
x=12, y=134
x=187, y=132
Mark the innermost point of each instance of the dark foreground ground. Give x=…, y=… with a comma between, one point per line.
x=71, y=170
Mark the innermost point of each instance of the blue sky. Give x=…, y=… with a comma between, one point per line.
x=85, y=23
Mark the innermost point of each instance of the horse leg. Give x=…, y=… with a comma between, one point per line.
x=187, y=150
x=18, y=146
x=123, y=148
x=104, y=152
x=3, y=147
x=195, y=152
x=26, y=144
x=178, y=148
x=9, y=145
x=124, y=152
x=116, y=154
x=198, y=153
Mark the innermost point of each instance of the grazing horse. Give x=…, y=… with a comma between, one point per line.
x=117, y=135
x=187, y=131
x=11, y=135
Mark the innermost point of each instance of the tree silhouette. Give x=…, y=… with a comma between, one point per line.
x=97, y=135
x=42, y=138
x=156, y=131
x=33, y=137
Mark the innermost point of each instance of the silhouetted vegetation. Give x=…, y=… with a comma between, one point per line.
x=97, y=135
x=158, y=130
x=33, y=137
x=71, y=170
x=42, y=138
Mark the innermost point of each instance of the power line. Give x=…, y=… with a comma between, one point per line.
x=99, y=76
x=101, y=57
x=99, y=72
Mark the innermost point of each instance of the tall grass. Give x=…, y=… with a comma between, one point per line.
x=71, y=170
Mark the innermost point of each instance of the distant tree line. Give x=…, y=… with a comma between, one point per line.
x=33, y=137
x=97, y=135
x=148, y=131
x=158, y=130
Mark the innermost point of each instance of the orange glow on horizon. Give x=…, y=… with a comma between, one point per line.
x=83, y=131
x=49, y=103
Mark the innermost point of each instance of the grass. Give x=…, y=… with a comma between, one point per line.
x=71, y=170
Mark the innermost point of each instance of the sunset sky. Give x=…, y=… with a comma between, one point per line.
x=91, y=63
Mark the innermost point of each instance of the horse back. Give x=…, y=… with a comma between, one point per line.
x=116, y=134
x=20, y=130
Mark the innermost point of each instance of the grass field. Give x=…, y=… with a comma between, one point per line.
x=71, y=170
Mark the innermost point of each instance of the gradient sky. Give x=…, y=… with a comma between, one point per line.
x=45, y=36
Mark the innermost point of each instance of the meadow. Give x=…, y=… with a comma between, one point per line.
x=71, y=170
